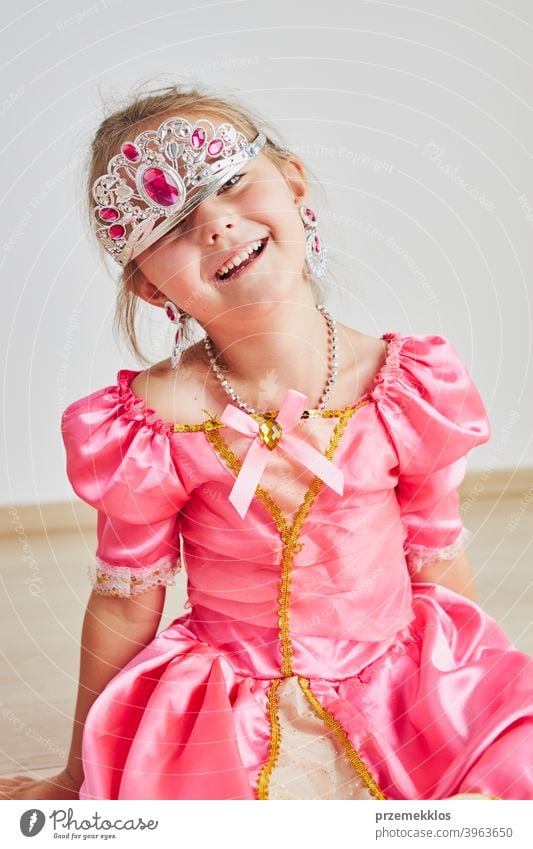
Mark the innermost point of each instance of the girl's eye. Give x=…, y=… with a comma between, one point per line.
x=229, y=184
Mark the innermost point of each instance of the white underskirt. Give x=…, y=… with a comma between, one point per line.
x=312, y=763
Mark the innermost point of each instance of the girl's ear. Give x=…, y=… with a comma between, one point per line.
x=294, y=173
x=146, y=290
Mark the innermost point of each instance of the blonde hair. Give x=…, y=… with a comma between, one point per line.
x=129, y=120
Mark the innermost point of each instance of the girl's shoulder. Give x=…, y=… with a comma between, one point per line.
x=119, y=454
x=177, y=396
x=429, y=402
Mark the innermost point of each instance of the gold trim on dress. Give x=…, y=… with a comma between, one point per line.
x=290, y=535
x=275, y=739
x=336, y=727
x=190, y=428
x=213, y=422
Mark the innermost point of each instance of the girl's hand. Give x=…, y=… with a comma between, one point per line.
x=61, y=786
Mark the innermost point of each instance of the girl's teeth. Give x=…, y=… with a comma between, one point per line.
x=240, y=258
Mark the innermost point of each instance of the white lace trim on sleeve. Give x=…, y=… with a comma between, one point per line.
x=418, y=556
x=128, y=581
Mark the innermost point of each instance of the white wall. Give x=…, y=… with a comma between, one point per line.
x=360, y=90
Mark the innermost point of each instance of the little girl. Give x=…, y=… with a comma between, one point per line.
x=306, y=475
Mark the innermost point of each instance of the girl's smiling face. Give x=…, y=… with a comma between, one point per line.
x=254, y=215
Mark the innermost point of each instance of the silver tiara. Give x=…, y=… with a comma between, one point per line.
x=160, y=177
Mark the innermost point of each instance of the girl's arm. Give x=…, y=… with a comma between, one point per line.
x=455, y=574
x=114, y=630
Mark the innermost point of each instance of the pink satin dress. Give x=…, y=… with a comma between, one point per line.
x=309, y=662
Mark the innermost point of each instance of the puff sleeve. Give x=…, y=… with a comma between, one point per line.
x=119, y=461
x=434, y=415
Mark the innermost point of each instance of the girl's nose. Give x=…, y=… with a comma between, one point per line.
x=212, y=220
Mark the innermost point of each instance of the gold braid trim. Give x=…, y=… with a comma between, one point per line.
x=213, y=423
x=189, y=428
x=291, y=547
x=275, y=740
x=289, y=535
x=292, y=544
x=337, y=728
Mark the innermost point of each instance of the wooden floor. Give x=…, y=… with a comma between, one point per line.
x=45, y=590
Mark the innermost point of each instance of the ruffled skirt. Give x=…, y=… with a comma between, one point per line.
x=447, y=710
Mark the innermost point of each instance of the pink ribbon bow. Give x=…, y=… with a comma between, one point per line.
x=256, y=457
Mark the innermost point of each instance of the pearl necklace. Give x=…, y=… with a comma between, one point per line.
x=333, y=370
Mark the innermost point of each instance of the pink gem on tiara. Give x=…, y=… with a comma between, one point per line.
x=131, y=151
x=214, y=147
x=198, y=138
x=108, y=213
x=116, y=231
x=310, y=214
x=160, y=187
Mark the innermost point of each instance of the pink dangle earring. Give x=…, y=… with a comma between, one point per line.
x=176, y=318
x=315, y=251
